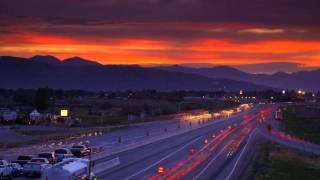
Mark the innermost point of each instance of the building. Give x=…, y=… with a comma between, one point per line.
x=9, y=115
x=35, y=115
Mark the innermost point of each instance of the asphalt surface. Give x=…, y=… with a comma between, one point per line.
x=173, y=154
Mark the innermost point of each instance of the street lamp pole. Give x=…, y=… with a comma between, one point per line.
x=90, y=163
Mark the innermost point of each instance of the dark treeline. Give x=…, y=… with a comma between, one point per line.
x=114, y=107
x=32, y=96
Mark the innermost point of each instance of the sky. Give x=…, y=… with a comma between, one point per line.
x=242, y=33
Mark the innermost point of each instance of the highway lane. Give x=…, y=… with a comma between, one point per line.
x=142, y=162
x=231, y=166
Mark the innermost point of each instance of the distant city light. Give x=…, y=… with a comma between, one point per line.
x=301, y=92
x=283, y=92
x=241, y=92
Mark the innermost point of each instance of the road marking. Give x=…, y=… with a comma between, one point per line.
x=209, y=164
x=106, y=165
x=164, y=158
x=204, y=147
x=242, y=152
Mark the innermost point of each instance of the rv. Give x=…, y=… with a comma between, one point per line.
x=70, y=168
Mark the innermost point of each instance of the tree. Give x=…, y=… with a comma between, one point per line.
x=43, y=99
x=22, y=97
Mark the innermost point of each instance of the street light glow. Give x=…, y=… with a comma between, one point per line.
x=64, y=113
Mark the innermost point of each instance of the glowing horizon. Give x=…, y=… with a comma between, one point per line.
x=109, y=37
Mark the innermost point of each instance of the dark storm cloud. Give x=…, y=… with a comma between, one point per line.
x=178, y=32
x=188, y=55
x=159, y=19
x=263, y=12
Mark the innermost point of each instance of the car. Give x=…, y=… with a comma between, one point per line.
x=24, y=159
x=62, y=153
x=35, y=166
x=49, y=155
x=17, y=169
x=80, y=150
x=5, y=170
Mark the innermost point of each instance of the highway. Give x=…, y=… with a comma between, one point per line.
x=201, y=153
x=198, y=149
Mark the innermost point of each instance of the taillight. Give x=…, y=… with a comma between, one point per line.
x=192, y=151
x=161, y=170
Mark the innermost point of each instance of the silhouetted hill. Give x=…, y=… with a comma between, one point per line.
x=77, y=61
x=27, y=73
x=307, y=80
x=46, y=59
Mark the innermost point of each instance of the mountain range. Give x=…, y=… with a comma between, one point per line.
x=307, y=80
x=79, y=73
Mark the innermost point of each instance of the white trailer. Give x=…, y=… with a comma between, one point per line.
x=68, y=169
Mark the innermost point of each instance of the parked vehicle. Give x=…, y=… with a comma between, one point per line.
x=62, y=153
x=35, y=166
x=70, y=168
x=80, y=150
x=5, y=170
x=48, y=155
x=17, y=169
x=24, y=159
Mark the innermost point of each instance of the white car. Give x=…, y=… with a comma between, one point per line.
x=62, y=153
x=35, y=166
x=5, y=169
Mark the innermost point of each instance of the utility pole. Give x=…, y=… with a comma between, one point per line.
x=90, y=163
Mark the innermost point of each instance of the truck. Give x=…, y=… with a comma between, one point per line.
x=48, y=155
x=69, y=168
x=23, y=159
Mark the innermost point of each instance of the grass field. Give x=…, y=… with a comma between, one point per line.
x=275, y=163
x=297, y=122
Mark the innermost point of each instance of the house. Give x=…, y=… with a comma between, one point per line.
x=9, y=115
x=35, y=115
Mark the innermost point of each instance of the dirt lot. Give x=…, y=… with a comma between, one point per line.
x=17, y=136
